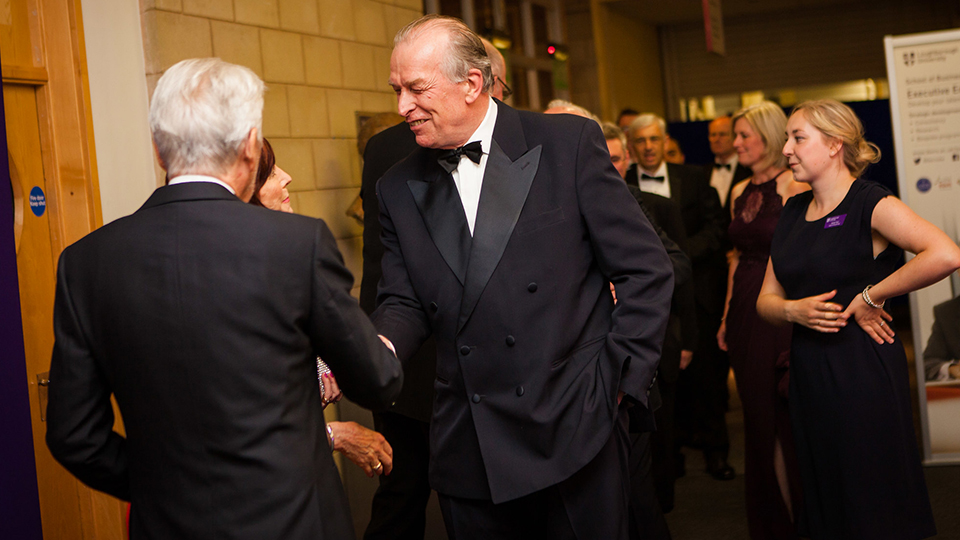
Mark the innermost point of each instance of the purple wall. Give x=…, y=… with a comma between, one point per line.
x=19, y=500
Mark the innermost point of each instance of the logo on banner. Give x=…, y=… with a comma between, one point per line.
x=909, y=58
x=924, y=185
x=38, y=201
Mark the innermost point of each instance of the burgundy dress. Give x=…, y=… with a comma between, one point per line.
x=754, y=347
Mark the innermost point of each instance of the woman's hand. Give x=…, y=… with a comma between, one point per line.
x=722, y=335
x=331, y=390
x=365, y=447
x=815, y=312
x=872, y=320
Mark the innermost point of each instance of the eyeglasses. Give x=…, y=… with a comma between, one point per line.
x=507, y=91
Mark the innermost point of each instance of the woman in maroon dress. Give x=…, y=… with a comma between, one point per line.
x=754, y=346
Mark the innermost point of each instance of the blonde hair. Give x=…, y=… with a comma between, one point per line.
x=770, y=123
x=838, y=121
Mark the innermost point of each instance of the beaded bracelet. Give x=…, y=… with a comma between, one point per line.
x=866, y=298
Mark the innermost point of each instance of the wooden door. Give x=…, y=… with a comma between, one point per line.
x=50, y=143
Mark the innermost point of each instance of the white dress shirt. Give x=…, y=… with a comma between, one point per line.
x=186, y=178
x=655, y=186
x=721, y=178
x=468, y=176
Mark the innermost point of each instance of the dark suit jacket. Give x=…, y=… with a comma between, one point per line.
x=706, y=227
x=944, y=343
x=531, y=351
x=383, y=151
x=204, y=315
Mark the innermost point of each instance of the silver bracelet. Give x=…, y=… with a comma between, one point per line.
x=330, y=437
x=866, y=298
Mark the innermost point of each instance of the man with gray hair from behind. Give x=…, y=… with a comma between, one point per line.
x=203, y=317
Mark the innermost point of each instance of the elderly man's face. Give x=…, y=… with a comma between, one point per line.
x=618, y=155
x=435, y=108
x=646, y=144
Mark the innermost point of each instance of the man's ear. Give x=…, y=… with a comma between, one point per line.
x=474, y=84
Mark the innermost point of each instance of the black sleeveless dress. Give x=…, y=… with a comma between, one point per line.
x=849, y=396
x=755, y=346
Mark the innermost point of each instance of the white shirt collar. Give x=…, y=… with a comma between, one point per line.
x=186, y=178
x=661, y=170
x=484, y=132
x=732, y=161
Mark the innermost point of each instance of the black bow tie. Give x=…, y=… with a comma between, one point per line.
x=721, y=166
x=645, y=176
x=450, y=159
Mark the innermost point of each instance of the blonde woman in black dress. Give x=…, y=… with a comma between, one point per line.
x=833, y=263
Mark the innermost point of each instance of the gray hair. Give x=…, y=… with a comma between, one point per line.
x=613, y=132
x=647, y=119
x=465, y=50
x=201, y=113
x=565, y=107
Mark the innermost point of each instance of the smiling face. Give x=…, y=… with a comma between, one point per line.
x=647, y=146
x=809, y=153
x=748, y=143
x=273, y=194
x=435, y=108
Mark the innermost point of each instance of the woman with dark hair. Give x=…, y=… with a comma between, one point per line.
x=365, y=447
x=835, y=260
x=754, y=345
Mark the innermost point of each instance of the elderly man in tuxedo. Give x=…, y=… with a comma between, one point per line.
x=204, y=317
x=701, y=388
x=501, y=235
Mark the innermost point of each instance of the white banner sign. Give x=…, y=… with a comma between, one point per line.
x=924, y=75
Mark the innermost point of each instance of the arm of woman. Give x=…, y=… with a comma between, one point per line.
x=365, y=447
x=814, y=312
x=937, y=256
x=733, y=257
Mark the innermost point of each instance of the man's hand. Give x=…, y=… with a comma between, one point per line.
x=365, y=447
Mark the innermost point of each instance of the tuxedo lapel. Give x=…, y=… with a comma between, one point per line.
x=439, y=204
x=506, y=184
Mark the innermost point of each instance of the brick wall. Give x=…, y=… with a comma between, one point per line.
x=322, y=60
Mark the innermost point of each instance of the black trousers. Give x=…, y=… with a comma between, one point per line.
x=399, y=505
x=701, y=402
x=591, y=504
x=646, y=519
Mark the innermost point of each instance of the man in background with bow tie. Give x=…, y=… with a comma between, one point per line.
x=701, y=390
x=501, y=235
x=725, y=171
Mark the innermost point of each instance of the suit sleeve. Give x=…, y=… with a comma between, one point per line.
x=709, y=240
x=79, y=412
x=399, y=315
x=366, y=370
x=631, y=256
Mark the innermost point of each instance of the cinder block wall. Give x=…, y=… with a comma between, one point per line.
x=322, y=60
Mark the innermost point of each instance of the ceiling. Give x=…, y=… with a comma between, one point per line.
x=661, y=12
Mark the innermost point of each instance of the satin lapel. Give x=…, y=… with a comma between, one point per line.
x=505, y=188
x=442, y=211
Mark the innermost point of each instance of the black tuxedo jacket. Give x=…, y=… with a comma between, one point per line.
x=204, y=315
x=740, y=173
x=706, y=227
x=383, y=151
x=531, y=350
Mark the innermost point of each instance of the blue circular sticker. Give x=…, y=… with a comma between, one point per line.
x=38, y=201
x=924, y=185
